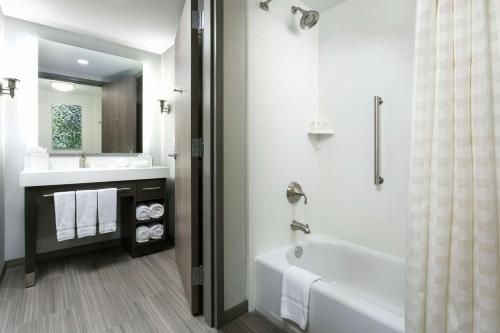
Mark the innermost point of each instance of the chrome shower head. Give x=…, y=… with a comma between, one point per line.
x=309, y=17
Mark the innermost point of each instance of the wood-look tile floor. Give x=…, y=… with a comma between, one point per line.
x=106, y=292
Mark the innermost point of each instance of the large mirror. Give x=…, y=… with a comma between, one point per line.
x=88, y=101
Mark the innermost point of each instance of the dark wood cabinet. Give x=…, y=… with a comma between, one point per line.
x=40, y=222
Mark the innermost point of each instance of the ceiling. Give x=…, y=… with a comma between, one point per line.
x=322, y=5
x=149, y=25
x=62, y=59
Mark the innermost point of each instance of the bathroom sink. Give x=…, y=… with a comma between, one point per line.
x=29, y=178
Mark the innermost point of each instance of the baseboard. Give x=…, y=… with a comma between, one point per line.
x=14, y=262
x=236, y=311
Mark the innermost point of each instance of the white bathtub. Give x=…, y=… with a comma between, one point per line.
x=362, y=290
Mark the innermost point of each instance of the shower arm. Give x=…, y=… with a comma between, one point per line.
x=295, y=9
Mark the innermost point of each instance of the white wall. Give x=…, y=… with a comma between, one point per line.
x=168, y=119
x=366, y=49
x=359, y=49
x=282, y=98
x=90, y=99
x=2, y=157
x=21, y=114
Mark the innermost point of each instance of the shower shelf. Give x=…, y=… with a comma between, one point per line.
x=321, y=132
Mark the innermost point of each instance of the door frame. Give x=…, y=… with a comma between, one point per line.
x=213, y=136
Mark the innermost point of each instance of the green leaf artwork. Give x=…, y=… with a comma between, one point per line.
x=66, y=126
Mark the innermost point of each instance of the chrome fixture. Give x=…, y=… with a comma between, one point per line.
x=83, y=160
x=309, y=17
x=294, y=192
x=164, y=107
x=11, y=87
x=296, y=225
x=180, y=91
x=299, y=251
x=377, y=102
x=173, y=155
x=264, y=5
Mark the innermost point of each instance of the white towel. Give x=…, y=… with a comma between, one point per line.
x=156, y=210
x=295, y=291
x=142, y=234
x=86, y=213
x=106, y=209
x=142, y=212
x=64, y=206
x=156, y=231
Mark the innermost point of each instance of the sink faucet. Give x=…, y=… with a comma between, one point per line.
x=300, y=226
x=83, y=159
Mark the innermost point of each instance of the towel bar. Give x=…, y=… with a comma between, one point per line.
x=119, y=189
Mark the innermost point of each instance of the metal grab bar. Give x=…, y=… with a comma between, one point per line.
x=377, y=101
x=118, y=189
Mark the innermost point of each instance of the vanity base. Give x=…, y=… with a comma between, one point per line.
x=40, y=232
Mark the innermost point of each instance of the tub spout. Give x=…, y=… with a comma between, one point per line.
x=300, y=226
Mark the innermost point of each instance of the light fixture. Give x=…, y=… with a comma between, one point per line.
x=11, y=87
x=164, y=107
x=83, y=61
x=62, y=86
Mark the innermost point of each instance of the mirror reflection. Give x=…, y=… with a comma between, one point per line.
x=88, y=101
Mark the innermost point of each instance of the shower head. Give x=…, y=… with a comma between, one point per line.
x=309, y=17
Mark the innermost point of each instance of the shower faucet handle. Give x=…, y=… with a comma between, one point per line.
x=294, y=193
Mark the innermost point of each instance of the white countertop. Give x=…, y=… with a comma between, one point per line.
x=29, y=178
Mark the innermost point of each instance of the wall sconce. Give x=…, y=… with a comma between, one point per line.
x=164, y=107
x=11, y=87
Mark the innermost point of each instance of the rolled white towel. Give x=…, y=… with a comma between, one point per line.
x=156, y=231
x=156, y=210
x=142, y=234
x=142, y=212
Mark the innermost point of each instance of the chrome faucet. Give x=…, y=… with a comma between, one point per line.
x=294, y=192
x=83, y=160
x=300, y=226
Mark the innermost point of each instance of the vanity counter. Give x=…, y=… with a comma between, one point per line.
x=31, y=178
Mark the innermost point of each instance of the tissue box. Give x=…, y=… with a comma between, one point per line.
x=39, y=161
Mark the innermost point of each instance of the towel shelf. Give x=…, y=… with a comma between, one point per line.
x=119, y=189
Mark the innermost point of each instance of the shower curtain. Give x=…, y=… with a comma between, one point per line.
x=453, y=233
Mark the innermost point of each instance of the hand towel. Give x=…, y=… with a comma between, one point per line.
x=64, y=206
x=142, y=234
x=156, y=231
x=297, y=284
x=86, y=213
x=156, y=210
x=142, y=212
x=106, y=209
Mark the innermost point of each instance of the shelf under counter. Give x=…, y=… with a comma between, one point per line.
x=157, y=220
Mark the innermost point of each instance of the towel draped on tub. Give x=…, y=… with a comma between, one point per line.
x=295, y=291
